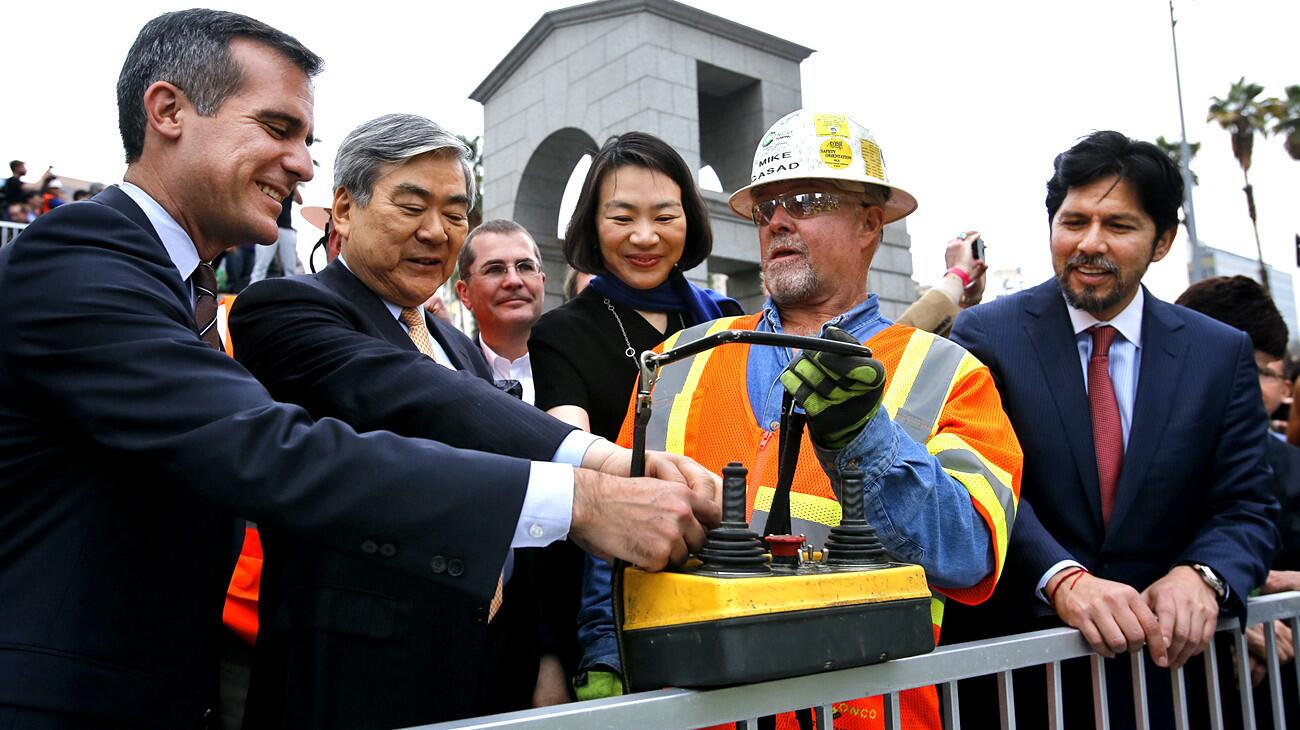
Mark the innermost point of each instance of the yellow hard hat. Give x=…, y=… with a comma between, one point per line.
x=806, y=145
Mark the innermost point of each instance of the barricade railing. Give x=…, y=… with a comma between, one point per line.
x=9, y=231
x=681, y=708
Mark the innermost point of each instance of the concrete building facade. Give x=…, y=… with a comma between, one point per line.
x=706, y=85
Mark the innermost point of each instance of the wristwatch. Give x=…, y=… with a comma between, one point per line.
x=1211, y=579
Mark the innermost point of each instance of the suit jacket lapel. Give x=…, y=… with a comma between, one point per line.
x=1052, y=334
x=118, y=200
x=1158, y=379
x=454, y=353
x=337, y=277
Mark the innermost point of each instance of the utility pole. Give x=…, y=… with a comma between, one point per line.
x=1197, y=271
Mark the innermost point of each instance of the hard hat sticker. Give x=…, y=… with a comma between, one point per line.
x=837, y=153
x=831, y=125
x=875, y=164
x=775, y=136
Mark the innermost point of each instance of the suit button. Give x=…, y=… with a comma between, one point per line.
x=438, y=564
x=455, y=568
x=369, y=547
x=387, y=550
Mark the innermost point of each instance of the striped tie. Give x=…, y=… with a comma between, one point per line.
x=413, y=318
x=204, y=280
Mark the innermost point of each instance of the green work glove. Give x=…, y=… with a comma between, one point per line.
x=840, y=393
x=597, y=685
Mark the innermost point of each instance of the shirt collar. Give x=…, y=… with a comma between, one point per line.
x=855, y=321
x=493, y=358
x=1128, y=322
x=179, y=245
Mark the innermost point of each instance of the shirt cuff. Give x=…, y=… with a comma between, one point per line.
x=1041, y=590
x=571, y=450
x=547, y=512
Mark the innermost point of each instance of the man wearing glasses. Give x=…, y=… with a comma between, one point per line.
x=921, y=418
x=502, y=283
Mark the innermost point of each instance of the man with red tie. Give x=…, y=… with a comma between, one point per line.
x=1145, y=510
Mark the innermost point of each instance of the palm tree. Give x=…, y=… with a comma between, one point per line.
x=1286, y=119
x=1174, y=151
x=1243, y=115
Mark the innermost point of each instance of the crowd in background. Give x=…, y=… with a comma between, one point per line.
x=22, y=202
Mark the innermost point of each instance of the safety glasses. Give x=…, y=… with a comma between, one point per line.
x=798, y=205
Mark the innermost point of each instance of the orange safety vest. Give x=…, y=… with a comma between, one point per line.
x=240, y=612
x=941, y=396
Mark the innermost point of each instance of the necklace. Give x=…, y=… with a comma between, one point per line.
x=630, y=352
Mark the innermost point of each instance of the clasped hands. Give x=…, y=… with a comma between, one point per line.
x=651, y=521
x=1174, y=617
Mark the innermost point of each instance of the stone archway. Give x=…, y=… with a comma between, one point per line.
x=537, y=200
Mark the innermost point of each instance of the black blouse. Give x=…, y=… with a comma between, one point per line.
x=579, y=357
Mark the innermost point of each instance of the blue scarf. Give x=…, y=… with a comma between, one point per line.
x=674, y=295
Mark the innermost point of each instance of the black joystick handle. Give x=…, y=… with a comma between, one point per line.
x=733, y=547
x=733, y=493
x=853, y=543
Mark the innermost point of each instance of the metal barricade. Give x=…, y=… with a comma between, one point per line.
x=681, y=708
x=9, y=231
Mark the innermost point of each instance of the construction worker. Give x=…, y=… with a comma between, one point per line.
x=921, y=419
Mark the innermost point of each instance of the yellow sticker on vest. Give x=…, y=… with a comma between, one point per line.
x=831, y=125
x=837, y=153
x=875, y=164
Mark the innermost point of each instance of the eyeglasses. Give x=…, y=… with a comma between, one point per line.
x=526, y=269
x=1266, y=373
x=798, y=205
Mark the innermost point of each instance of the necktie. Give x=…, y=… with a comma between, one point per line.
x=1107, y=431
x=511, y=386
x=413, y=318
x=204, y=280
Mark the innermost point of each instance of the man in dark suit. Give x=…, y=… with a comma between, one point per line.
x=354, y=343
x=1142, y=430
x=118, y=414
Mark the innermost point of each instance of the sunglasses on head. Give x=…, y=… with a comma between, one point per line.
x=799, y=205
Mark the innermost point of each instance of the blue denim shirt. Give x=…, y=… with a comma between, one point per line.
x=921, y=514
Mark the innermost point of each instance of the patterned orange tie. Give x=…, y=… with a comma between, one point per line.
x=413, y=318
x=1107, y=429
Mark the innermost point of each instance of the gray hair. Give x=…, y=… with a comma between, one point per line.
x=499, y=226
x=191, y=50
x=393, y=139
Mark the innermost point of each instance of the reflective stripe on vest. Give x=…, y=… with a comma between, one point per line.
x=667, y=428
x=914, y=399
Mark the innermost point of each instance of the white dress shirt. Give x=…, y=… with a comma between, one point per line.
x=503, y=368
x=548, y=503
x=1125, y=358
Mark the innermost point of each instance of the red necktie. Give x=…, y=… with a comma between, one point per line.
x=1107, y=431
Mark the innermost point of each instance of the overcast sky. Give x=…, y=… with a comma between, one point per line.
x=970, y=101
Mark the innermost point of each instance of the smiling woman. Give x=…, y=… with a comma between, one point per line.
x=639, y=223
